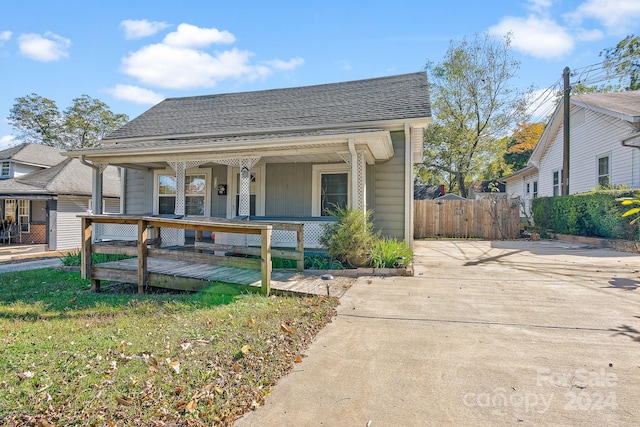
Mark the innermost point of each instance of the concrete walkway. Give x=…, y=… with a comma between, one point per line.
x=26, y=257
x=485, y=333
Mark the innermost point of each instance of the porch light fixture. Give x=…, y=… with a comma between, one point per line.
x=244, y=173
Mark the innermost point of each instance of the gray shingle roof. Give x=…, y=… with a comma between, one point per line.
x=34, y=154
x=624, y=103
x=69, y=177
x=398, y=97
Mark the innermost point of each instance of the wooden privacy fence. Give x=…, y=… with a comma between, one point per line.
x=484, y=219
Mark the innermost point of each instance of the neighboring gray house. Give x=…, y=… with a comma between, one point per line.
x=282, y=154
x=604, y=142
x=45, y=203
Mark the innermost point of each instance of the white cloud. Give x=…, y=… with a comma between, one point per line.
x=279, y=64
x=539, y=6
x=589, y=35
x=618, y=16
x=136, y=94
x=4, y=36
x=541, y=103
x=50, y=47
x=7, y=141
x=170, y=67
x=135, y=29
x=535, y=36
x=188, y=35
x=181, y=61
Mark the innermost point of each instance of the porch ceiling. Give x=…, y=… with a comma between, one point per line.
x=154, y=154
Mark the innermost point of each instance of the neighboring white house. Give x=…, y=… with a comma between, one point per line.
x=604, y=148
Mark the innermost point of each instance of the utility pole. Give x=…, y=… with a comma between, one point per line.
x=566, y=133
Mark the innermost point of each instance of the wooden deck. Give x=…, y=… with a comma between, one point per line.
x=193, y=276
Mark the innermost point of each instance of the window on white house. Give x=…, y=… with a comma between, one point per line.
x=5, y=168
x=604, y=176
x=557, y=183
x=535, y=189
x=24, y=214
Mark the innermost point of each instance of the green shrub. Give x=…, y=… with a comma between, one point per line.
x=321, y=262
x=594, y=214
x=349, y=239
x=390, y=253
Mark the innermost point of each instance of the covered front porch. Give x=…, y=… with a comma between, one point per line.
x=291, y=179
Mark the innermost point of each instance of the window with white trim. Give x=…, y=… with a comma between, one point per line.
x=535, y=189
x=557, y=183
x=604, y=172
x=330, y=188
x=195, y=191
x=10, y=210
x=24, y=212
x=5, y=169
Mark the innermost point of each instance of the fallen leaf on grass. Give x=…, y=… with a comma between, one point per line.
x=43, y=423
x=285, y=329
x=185, y=346
x=123, y=401
x=191, y=407
x=298, y=359
x=175, y=365
x=245, y=349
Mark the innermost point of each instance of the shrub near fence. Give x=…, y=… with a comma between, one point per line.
x=595, y=214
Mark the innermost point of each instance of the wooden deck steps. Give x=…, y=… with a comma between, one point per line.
x=191, y=276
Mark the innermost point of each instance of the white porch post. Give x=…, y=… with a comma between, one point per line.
x=358, y=165
x=176, y=236
x=244, y=204
x=96, y=191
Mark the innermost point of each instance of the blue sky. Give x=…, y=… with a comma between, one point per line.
x=132, y=54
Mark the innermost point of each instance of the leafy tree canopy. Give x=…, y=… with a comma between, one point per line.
x=624, y=60
x=474, y=106
x=36, y=119
x=522, y=143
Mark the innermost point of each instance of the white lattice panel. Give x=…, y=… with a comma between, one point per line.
x=362, y=179
x=172, y=237
x=115, y=232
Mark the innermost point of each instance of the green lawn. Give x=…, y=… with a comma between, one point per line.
x=71, y=357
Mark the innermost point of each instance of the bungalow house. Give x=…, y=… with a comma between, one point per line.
x=604, y=140
x=283, y=154
x=43, y=205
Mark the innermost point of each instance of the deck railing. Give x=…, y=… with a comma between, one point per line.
x=145, y=247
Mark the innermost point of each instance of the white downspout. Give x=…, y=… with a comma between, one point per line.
x=123, y=187
x=408, y=186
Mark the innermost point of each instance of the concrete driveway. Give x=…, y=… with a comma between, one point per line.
x=485, y=333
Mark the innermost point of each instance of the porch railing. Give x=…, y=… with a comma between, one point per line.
x=145, y=247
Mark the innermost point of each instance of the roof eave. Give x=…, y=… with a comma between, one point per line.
x=389, y=125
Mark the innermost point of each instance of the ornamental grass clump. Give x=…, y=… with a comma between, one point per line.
x=388, y=252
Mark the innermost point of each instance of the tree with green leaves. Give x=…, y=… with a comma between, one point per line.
x=474, y=104
x=624, y=60
x=38, y=120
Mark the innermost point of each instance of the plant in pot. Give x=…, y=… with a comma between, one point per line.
x=351, y=238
